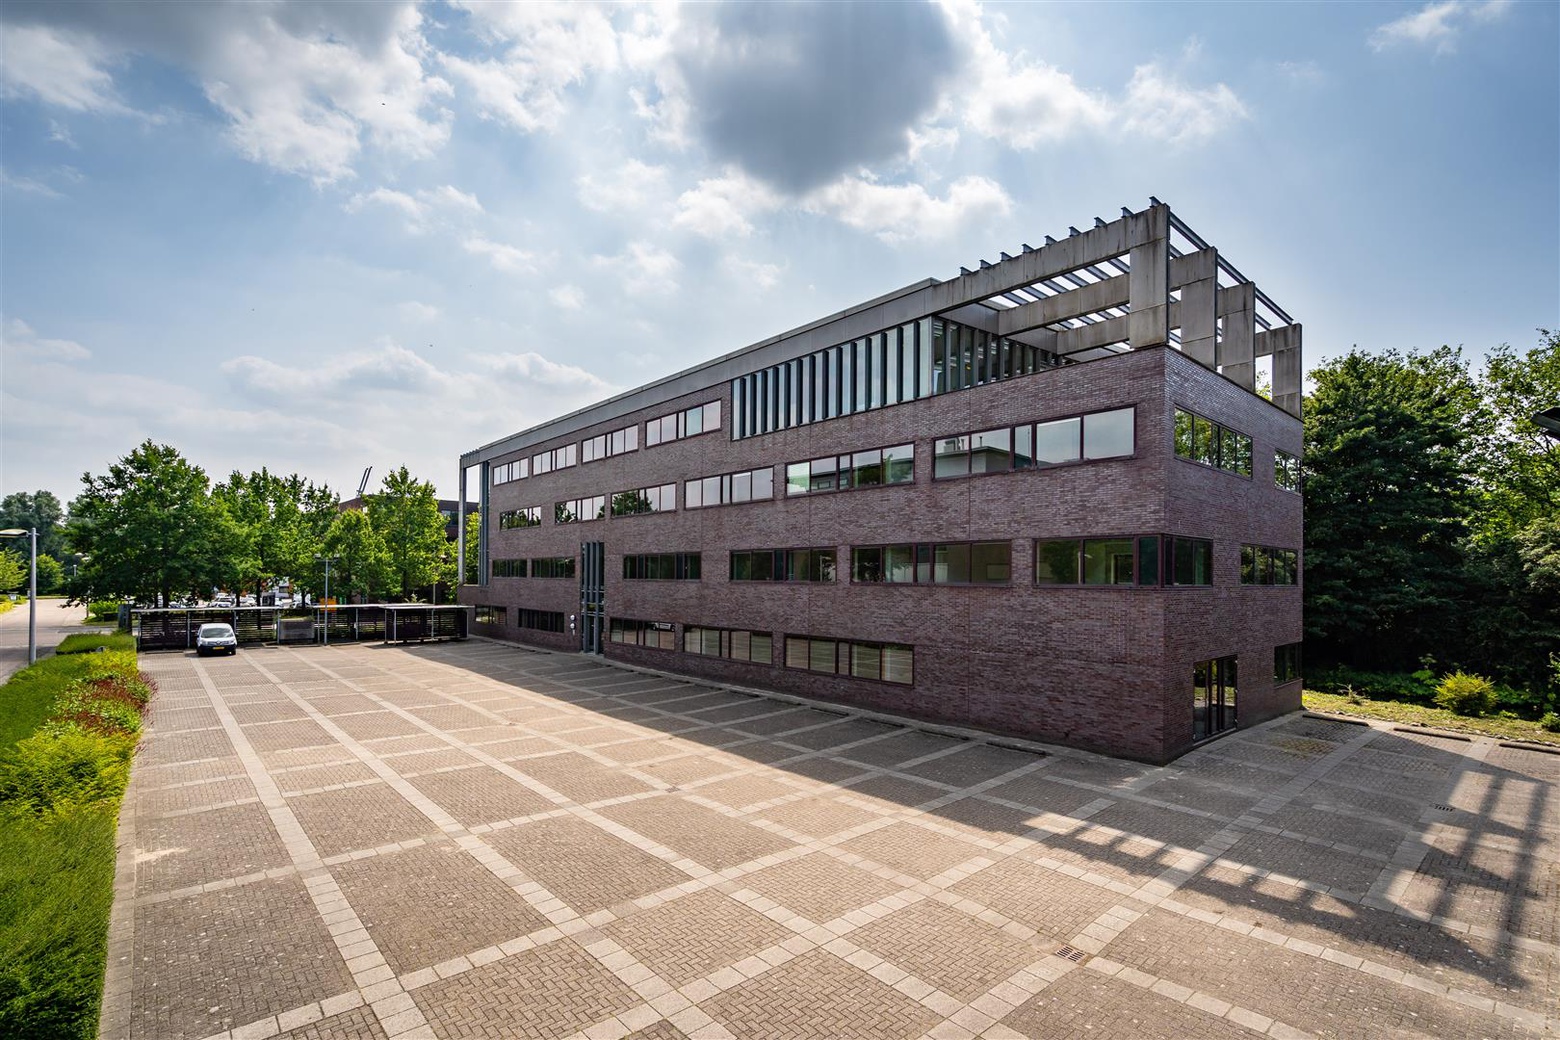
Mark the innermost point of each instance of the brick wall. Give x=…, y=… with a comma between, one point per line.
x=1103, y=668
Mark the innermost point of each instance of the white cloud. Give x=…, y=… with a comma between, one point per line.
x=506, y=258
x=26, y=184
x=568, y=297
x=551, y=47
x=532, y=368
x=59, y=133
x=764, y=276
x=901, y=212
x=932, y=139
x=627, y=187
x=1020, y=102
x=1436, y=25
x=58, y=67
x=644, y=269
x=428, y=208
x=1160, y=105
x=302, y=85
x=720, y=206
x=19, y=341
x=416, y=311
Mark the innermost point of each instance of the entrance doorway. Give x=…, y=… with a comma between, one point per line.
x=593, y=595
x=1213, y=697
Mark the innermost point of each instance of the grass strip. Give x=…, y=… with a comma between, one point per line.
x=68, y=728
x=1431, y=717
x=91, y=642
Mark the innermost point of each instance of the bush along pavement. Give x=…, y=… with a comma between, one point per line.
x=69, y=726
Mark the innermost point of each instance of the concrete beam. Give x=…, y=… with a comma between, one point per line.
x=1197, y=315
x=1287, y=373
x=1149, y=285
x=1235, y=354
x=1094, y=246
x=1112, y=292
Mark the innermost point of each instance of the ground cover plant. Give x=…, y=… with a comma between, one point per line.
x=68, y=729
x=1505, y=726
x=91, y=642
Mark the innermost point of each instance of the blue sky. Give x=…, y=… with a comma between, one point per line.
x=324, y=236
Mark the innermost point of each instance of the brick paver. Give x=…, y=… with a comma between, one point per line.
x=474, y=840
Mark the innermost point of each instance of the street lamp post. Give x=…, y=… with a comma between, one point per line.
x=32, y=591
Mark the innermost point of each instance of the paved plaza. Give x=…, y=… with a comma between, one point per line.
x=478, y=840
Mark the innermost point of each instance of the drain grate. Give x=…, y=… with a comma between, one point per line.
x=1067, y=953
x=1445, y=808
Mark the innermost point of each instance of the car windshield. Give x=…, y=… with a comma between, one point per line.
x=215, y=630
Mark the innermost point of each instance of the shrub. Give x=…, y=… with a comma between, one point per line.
x=1551, y=722
x=103, y=610
x=1377, y=686
x=91, y=642
x=61, y=769
x=1465, y=694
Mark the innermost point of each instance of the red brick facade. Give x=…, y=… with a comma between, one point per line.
x=1105, y=668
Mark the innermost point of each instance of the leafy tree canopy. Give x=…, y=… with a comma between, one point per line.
x=1388, y=495
x=40, y=510
x=405, y=514
x=151, y=528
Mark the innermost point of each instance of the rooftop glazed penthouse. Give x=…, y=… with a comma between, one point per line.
x=1041, y=498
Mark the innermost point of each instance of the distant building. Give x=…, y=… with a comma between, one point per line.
x=1041, y=498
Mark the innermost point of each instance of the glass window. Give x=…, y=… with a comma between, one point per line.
x=1286, y=471
x=991, y=563
x=1056, y=561
x=1185, y=445
x=899, y=563
x=867, y=564
x=1148, y=560
x=898, y=664
x=1023, y=447
x=866, y=662
x=1238, y=455
x=1191, y=561
x=1205, y=447
x=866, y=468
x=1286, y=663
x=899, y=464
x=822, y=655
x=1108, y=435
x=1107, y=561
x=991, y=451
x=951, y=457
x=798, y=479
x=951, y=564
x=1058, y=442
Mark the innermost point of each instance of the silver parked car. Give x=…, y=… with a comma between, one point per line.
x=216, y=639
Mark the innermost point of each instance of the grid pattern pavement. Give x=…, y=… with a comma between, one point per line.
x=479, y=840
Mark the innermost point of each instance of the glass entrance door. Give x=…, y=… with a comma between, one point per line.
x=1213, y=697
x=593, y=595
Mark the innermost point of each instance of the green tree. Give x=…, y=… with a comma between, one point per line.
x=1521, y=479
x=405, y=514
x=1388, y=491
x=362, y=564
x=473, y=547
x=51, y=575
x=13, y=571
x=151, y=528
x=40, y=510
x=281, y=523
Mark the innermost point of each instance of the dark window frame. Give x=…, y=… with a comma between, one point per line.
x=1217, y=439
x=682, y=566
x=924, y=555
x=782, y=564
x=841, y=470
x=1014, y=452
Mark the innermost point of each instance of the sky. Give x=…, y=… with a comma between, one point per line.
x=320, y=237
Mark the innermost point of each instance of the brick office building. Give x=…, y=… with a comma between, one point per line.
x=1040, y=498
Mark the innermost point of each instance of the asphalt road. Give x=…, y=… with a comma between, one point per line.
x=55, y=622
